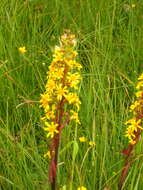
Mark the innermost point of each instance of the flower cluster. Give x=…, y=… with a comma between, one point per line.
x=62, y=84
x=134, y=125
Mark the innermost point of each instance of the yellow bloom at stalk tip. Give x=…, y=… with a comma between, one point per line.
x=22, y=50
x=92, y=143
x=51, y=128
x=82, y=188
x=82, y=139
x=62, y=86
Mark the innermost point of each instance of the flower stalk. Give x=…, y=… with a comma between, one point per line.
x=133, y=130
x=60, y=100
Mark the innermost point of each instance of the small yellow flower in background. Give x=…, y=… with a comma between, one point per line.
x=82, y=188
x=133, y=5
x=92, y=143
x=22, y=50
x=82, y=139
x=48, y=154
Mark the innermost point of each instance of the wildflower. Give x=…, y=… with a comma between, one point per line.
x=82, y=139
x=139, y=94
x=133, y=5
x=51, y=128
x=139, y=85
x=74, y=116
x=82, y=188
x=92, y=143
x=134, y=106
x=60, y=100
x=61, y=92
x=22, y=50
x=140, y=77
x=48, y=154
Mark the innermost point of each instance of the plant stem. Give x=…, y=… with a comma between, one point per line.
x=128, y=160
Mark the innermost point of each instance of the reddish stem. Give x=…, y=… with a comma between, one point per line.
x=128, y=159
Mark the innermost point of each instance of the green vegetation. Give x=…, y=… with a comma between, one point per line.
x=110, y=46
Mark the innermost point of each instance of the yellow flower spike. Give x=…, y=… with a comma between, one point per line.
x=82, y=188
x=82, y=139
x=63, y=80
x=22, y=50
x=62, y=84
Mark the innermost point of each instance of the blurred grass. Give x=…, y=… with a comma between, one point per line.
x=110, y=49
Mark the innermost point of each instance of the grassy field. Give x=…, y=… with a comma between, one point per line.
x=110, y=48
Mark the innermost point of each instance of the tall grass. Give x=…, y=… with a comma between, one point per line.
x=110, y=49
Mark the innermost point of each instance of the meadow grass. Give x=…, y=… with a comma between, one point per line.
x=110, y=49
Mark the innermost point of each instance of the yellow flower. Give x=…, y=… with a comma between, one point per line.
x=51, y=128
x=73, y=80
x=45, y=99
x=133, y=5
x=74, y=116
x=133, y=126
x=72, y=98
x=82, y=139
x=50, y=86
x=139, y=84
x=134, y=106
x=61, y=91
x=22, y=50
x=132, y=141
x=139, y=94
x=48, y=154
x=82, y=188
x=92, y=143
x=140, y=77
x=133, y=122
x=130, y=132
